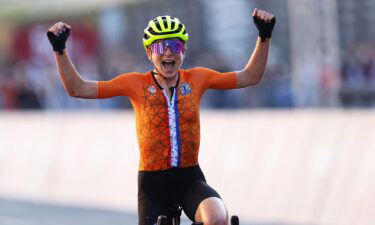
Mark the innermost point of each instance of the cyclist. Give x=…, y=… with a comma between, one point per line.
x=166, y=102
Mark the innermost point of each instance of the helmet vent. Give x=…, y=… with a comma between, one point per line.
x=158, y=25
x=151, y=31
x=165, y=23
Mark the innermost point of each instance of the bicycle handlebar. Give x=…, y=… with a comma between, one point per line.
x=162, y=220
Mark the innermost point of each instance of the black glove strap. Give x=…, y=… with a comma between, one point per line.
x=58, y=41
x=264, y=28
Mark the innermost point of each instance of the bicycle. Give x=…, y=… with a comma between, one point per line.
x=176, y=219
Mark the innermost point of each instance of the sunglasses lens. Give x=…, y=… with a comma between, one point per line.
x=176, y=46
x=157, y=48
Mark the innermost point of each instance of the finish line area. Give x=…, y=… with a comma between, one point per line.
x=270, y=167
x=20, y=212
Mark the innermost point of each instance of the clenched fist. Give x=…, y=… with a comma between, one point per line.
x=265, y=22
x=57, y=35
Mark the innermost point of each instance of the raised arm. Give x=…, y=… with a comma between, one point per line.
x=253, y=71
x=74, y=84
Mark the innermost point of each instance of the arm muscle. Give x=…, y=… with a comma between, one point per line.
x=72, y=81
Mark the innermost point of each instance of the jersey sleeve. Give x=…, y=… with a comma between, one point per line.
x=217, y=80
x=123, y=85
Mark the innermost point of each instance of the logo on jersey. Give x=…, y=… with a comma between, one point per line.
x=152, y=89
x=185, y=89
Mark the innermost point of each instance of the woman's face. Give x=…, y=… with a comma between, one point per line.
x=167, y=63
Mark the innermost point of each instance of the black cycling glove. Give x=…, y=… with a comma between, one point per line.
x=265, y=29
x=58, y=41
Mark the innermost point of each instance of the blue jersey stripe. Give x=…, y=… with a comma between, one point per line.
x=177, y=127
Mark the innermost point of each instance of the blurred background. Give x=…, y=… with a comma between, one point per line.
x=319, y=86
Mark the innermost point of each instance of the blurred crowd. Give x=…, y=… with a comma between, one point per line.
x=358, y=76
x=29, y=78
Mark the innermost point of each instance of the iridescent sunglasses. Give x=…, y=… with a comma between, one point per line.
x=160, y=47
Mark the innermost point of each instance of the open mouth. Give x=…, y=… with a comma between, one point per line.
x=168, y=64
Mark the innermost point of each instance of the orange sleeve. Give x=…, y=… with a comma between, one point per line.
x=216, y=80
x=122, y=85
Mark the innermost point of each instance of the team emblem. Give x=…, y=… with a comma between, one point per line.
x=185, y=89
x=152, y=89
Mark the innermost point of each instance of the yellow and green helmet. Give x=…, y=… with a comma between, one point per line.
x=164, y=27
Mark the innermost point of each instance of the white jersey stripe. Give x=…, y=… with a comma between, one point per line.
x=173, y=127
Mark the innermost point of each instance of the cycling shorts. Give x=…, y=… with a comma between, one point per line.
x=160, y=191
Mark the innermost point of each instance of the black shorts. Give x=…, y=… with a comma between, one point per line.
x=160, y=191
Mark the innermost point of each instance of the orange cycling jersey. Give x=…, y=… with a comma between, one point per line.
x=168, y=128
